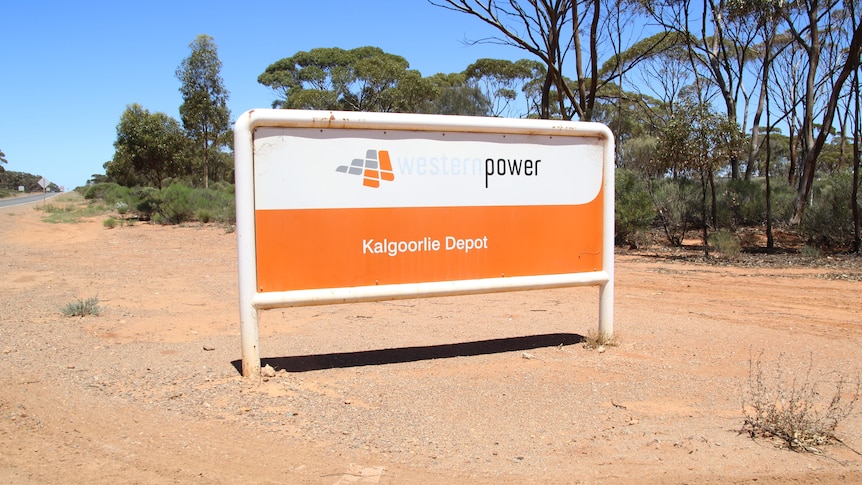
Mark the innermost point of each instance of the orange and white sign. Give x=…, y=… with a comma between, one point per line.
x=335, y=206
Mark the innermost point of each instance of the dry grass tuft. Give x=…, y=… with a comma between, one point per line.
x=597, y=340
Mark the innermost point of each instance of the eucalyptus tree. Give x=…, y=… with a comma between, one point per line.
x=813, y=23
x=501, y=81
x=451, y=94
x=3, y=161
x=331, y=78
x=554, y=31
x=149, y=148
x=695, y=142
x=718, y=44
x=204, y=112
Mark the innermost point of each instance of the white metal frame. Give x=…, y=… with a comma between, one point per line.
x=251, y=302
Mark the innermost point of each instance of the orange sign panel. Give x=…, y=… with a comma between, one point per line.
x=333, y=248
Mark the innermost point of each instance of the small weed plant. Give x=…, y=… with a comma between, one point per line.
x=791, y=408
x=82, y=308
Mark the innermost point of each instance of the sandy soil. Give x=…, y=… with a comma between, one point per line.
x=481, y=389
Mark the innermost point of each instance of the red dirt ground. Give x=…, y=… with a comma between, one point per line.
x=481, y=389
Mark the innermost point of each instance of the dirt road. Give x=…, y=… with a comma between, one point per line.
x=480, y=389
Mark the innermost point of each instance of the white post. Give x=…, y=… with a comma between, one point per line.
x=246, y=257
x=606, y=291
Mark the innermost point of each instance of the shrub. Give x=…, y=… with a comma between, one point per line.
x=145, y=200
x=98, y=191
x=741, y=203
x=203, y=215
x=82, y=308
x=829, y=220
x=176, y=205
x=677, y=202
x=726, y=243
x=216, y=204
x=810, y=251
x=633, y=210
x=794, y=411
x=109, y=223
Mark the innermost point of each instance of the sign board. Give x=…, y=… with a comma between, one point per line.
x=43, y=182
x=335, y=207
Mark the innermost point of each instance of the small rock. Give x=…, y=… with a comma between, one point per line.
x=209, y=348
x=267, y=371
x=528, y=355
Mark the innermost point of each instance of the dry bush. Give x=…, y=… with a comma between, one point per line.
x=791, y=408
x=597, y=340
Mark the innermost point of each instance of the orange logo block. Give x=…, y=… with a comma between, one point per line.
x=375, y=167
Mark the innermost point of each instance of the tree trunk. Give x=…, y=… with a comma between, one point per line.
x=854, y=195
x=703, y=213
x=814, y=147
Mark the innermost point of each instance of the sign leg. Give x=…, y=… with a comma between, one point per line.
x=250, y=342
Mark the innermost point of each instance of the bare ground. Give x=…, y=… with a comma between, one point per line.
x=482, y=389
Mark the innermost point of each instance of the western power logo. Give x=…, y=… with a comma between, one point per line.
x=375, y=167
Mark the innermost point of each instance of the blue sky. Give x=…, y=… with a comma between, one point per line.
x=69, y=69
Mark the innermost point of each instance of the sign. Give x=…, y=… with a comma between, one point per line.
x=43, y=182
x=335, y=207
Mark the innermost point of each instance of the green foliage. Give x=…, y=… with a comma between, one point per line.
x=82, y=308
x=676, y=201
x=144, y=200
x=149, y=149
x=829, y=221
x=175, y=204
x=743, y=202
x=633, y=209
x=68, y=208
x=204, y=112
x=500, y=81
x=95, y=191
x=459, y=100
x=109, y=223
x=726, y=243
x=361, y=79
x=11, y=180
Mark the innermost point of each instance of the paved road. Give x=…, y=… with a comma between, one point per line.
x=27, y=199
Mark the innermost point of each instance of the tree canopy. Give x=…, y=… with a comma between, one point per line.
x=150, y=147
x=361, y=79
x=204, y=112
